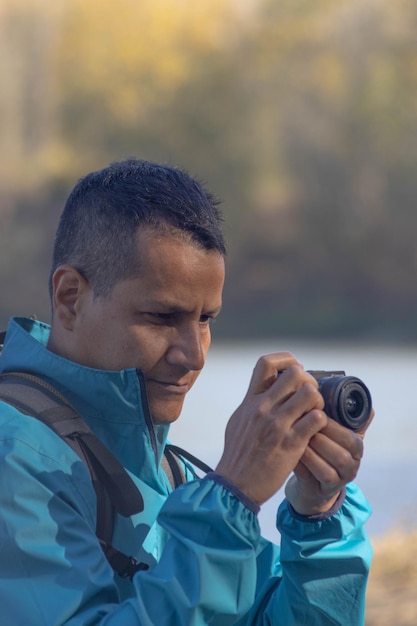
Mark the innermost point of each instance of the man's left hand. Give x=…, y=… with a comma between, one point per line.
x=330, y=461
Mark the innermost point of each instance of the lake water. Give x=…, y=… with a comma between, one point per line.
x=388, y=473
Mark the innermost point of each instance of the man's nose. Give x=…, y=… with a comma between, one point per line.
x=188, y=348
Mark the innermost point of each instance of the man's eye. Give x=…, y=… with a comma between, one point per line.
x=161, y=317
x=206, y=319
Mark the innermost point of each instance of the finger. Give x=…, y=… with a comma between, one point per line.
x=302, y=472
x=330, y=463
x=308, y=426
x=363, y=430
x=325, y=474
x=267, y=368
x=344, y=437
x=291, y=379
x=296, y=394
x=300, y=408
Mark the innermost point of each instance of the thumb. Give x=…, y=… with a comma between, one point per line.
x=267, y=369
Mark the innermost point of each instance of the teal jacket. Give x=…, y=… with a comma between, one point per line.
x=208, y=562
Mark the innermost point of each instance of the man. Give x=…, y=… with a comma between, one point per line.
x=137, y=277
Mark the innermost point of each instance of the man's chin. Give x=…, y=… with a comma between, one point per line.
x=165, y=414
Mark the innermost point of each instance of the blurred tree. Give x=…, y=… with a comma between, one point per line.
x=29, y=116
x=343, y=131
x=299, y=114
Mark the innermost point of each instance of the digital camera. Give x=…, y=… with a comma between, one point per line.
x=347, y=399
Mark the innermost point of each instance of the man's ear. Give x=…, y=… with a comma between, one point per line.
x=69, y=287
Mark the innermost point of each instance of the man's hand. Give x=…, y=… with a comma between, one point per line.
x=268, y=434
x=331, y=460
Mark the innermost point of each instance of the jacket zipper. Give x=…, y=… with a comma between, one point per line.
x=147, y=412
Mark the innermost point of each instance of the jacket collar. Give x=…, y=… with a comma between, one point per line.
x=112, y=402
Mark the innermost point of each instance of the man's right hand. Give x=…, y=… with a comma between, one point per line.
x=269, y=432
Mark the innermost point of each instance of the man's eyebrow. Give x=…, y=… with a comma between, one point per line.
x=169, y=307
x=215, y=311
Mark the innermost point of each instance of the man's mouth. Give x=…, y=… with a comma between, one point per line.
x=173, y=387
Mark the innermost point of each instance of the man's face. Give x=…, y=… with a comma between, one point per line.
x=158, y=321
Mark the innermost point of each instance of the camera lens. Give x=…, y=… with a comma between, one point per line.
x=354, y=405
x=347, y=400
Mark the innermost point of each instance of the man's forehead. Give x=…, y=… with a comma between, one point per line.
x=162, y=250
x=166, y=234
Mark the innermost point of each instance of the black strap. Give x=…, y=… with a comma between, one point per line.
x=180, y=452
x=114, y=488
x=174, y=471
x=125, y=566
x=70, y=426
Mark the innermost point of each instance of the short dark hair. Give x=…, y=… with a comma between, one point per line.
x=97, y=230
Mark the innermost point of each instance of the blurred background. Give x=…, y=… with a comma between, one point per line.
x=301, y=116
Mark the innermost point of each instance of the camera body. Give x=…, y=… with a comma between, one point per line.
x=347, y=399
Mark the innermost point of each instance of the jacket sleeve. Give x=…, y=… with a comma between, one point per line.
x=319, y=577
x=208, y=565
x=52, y=568
x=214, y=568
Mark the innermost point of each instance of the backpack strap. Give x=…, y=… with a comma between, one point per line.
x=172, y=468
x=172, y=464
x=173, y=453
x=115, y=490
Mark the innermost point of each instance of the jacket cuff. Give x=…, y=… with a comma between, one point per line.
x=248, y=502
